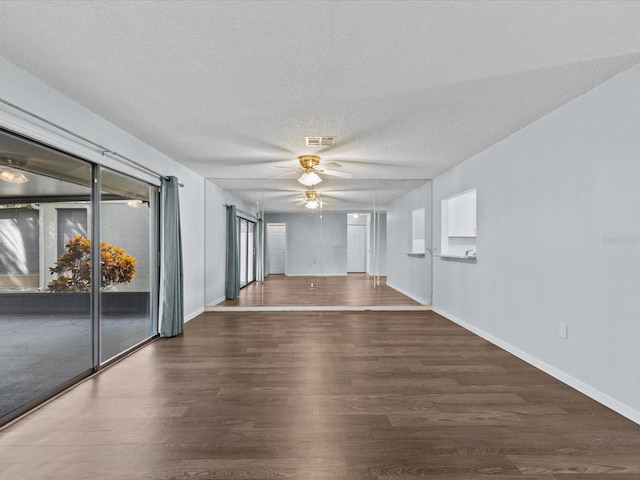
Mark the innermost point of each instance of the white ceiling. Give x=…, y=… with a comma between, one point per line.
x=410, y=89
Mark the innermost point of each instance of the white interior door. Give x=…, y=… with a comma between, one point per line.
x=356, y=248
x=277, y=244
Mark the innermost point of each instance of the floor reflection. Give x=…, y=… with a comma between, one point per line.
x=354, y=289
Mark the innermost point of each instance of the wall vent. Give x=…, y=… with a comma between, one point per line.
x=320, y=141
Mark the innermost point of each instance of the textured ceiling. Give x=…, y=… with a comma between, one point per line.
x=410, y=89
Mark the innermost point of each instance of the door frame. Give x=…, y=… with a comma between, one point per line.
x=267, y=248
x=364, y=251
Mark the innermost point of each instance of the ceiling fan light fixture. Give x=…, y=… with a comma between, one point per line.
x=309, y=178
x=11, y=176
x=311, y=199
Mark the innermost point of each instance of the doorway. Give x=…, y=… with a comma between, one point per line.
x=356, y=248
x=277, y=246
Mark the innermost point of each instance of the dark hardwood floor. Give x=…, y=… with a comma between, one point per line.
x=319, y=396
x=354, y=289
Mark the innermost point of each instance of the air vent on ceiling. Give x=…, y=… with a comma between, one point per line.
x=320, y=141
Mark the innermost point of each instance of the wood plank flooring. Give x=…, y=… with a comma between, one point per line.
x=321, y=396
x=350, y=290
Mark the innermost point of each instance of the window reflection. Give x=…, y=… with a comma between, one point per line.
x=19, y=248
x=45, y=337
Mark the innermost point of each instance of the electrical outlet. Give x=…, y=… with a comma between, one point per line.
x=564, y=330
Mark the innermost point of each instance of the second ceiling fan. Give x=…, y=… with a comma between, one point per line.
x=312, y=199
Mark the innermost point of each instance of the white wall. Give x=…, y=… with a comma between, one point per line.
x=315, y=246
x=558, y=225
x=409, y=274
x=26, y=91
x=216, y=240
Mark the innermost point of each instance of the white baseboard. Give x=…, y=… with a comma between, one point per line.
x=421, y=301
x=598, y=396
x=193, y=315
x=216, y=302
x=324, y=308
x=315, y=274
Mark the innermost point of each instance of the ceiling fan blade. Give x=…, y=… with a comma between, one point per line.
x=333, y=164
x=284, y=174
x=336, y=174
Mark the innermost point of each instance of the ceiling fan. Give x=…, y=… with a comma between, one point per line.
x=310, y=169
x=312, y=199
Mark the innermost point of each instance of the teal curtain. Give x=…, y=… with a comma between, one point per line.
x=171, y=314
x=233, y=254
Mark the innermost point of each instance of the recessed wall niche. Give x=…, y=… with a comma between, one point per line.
x=418, y=231
x=459, y=225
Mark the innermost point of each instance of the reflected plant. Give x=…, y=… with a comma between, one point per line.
x=73, y=267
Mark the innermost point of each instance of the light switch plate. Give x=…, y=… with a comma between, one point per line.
x=564, y=330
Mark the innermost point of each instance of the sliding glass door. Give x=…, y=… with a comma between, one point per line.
x=251, y=252
x=127, y=220
x=58, y=323
x=243, y=251
x=247, y=251
x=45, y=317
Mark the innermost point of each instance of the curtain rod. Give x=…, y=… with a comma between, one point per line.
x=241, y=211
x=102, y=148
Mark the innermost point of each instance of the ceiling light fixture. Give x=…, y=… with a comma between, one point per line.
x=308, y=162
x=11, y=176
x=310, y=179
x=311, y=199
